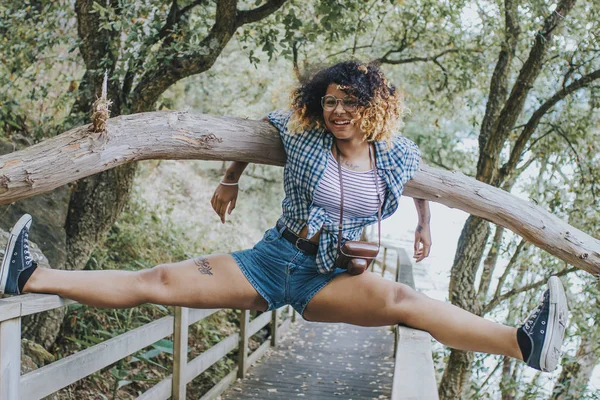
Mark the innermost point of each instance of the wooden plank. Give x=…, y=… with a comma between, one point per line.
x=34, y=303
x=10, y=359
x=243, y=345
x=414, y=376
x=204, y=361
x=197, y=314
x=258, y=323
x=160, y=391
x=9, y=310
x=49, y=379
x=180, y=346
x=220, y=387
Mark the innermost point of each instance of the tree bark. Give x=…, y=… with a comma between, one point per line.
x=456, y=375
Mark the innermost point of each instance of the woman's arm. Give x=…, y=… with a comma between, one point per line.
x=422, y=233
x=234, y=172
x=225, y=196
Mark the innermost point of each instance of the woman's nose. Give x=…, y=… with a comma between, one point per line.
x=338, y=108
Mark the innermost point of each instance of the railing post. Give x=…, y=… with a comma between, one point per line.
x=274, y=326
x=383, y=264
x=398, y=265
x=293, y=315
x=180, y=344
x=243, y=346
x=10, y=358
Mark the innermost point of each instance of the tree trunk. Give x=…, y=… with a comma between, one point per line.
x=456, y=375
x=507, y=385
x=94, y=207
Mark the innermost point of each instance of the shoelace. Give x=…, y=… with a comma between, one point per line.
x=529, y=321
x=532, y=316
x=26, y=252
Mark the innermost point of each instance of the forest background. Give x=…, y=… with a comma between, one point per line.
x=504, y=91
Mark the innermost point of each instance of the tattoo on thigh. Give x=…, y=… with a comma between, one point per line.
x=203, y=265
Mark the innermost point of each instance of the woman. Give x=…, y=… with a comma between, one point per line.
x=348, y=112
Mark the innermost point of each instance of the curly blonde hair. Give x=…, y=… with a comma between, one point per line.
x=381, y=106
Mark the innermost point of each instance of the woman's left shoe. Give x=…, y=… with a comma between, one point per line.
x=17, y=262
x=541, y=336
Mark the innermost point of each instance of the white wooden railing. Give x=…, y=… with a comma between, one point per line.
x=55, y=376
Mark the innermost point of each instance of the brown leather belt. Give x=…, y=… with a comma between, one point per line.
x=301, y=244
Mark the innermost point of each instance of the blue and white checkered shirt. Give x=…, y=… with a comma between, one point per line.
x=306, y=161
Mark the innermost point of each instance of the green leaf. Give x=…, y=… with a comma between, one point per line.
x=164, y=345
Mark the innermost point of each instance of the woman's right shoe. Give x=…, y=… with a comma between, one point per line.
x=17, y=257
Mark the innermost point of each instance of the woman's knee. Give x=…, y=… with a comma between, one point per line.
x=157, y=278
x=403, y=301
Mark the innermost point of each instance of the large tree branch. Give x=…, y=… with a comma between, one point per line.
x=176, y=66
x=175, y=135
x=533, y=122
x=173, y=19
x=256, y=14
x=487, y=166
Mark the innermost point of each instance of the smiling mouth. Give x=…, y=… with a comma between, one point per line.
x=341, y=123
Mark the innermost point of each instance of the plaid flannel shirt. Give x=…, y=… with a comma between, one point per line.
x=306, y=162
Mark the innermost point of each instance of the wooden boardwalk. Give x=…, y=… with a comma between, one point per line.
x=323, y=361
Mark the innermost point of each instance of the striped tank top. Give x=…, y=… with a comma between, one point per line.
x=360, y=195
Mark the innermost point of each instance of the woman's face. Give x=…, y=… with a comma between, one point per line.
x=341, y=121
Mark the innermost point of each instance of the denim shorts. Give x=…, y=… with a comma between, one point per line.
x=281, y=273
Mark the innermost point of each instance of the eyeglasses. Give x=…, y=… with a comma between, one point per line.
x=330, y=102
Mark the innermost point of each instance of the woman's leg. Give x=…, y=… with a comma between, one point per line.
x=369, y=300
x=213, y=281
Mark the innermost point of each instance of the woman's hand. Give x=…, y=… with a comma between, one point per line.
x=422, y=242
x=223, y=201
